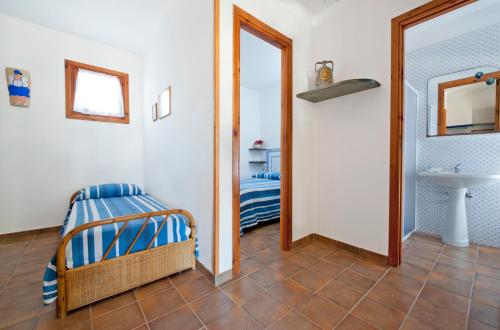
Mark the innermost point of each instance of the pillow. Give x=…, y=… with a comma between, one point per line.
x=267, y=175
x=109, y=190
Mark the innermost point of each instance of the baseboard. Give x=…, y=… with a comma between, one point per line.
x=202, y=269
x=409, y=235
x=303, y=241
x=364, y=254
x=215, y=279
x=223, y=277
x=30, y=232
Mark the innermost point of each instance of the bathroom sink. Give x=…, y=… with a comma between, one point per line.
x=456, y=228
x=460, y=180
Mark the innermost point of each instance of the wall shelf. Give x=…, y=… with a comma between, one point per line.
x=257, y=162
x=258, y=149
x=338, y=89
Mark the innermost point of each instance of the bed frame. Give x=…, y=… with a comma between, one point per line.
x=81, y=286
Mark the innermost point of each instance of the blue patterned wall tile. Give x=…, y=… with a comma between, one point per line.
x=478, y=153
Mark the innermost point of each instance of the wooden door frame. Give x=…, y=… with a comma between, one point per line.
x=247, y=22
x=414, y=17
x=462, y=82
x=497, y=107
x=216, y=135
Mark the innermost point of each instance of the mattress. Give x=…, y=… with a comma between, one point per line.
x=259, y=201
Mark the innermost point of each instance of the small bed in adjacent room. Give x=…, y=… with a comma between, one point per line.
x=116, y=237
x=260, y=194
x=259, y=199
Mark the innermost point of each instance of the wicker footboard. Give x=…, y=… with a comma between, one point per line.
x=83, y=285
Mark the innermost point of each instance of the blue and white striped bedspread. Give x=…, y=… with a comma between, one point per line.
x=89, y=246
x=259, y=201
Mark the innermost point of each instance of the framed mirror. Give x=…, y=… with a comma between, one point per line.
x=165, y=103
x=467, y=103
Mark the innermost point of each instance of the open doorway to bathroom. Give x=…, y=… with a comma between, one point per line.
x=262, y=139
x=445, y=168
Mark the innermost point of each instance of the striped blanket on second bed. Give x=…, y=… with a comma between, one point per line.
x=108, y=201
x=259, y=200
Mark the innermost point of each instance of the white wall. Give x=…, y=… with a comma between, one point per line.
x=270, y=118
x=351, y=140
x=250, y=130
x=46, y=157
x=178, y=150
x=260, y=118
x=292, y=21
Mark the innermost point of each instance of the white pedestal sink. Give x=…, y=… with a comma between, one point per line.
x=456, y=231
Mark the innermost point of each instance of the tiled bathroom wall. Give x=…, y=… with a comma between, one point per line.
x=478, y=153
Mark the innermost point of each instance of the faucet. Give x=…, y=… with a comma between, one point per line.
x=458, y=168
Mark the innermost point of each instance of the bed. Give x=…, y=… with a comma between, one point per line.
x=116, y=237
x=259, y=199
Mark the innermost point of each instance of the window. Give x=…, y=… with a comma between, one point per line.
x=97, y=94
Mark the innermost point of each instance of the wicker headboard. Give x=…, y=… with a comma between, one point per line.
x=273, y=160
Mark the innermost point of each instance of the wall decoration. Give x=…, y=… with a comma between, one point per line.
x=165, y=103
x=154, y=110
x=19, y=85
x=324, y=74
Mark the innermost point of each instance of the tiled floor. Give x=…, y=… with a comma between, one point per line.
x=314, y=286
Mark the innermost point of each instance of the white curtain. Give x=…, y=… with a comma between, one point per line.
x=98, y=93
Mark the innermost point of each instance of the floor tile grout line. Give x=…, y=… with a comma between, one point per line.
x=293, y=308
x=17, y=265
x=423, y=286
x=363, y=297
x=469, y=307
x=332, y=280
x=124, y=305
x=90, y=314
x=266, y=290
x=250, y=316
x=350, y=268
x=188, y=303
x=313, y=292
x=346, y=269
x=241, y=306
x=140, y=308
x=168, y=313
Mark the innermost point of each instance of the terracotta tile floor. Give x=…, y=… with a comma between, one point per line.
x=313, y=286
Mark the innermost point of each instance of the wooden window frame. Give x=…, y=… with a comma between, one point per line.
x=463, y=82
x=399, y=24
x=71, y=71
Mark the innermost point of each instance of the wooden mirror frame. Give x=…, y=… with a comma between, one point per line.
x=463, y=82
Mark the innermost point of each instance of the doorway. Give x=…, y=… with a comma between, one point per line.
x=243, y=21
x=400, y=24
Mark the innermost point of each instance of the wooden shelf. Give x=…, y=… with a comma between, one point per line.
x=339, y=89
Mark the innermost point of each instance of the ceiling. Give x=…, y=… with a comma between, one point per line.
x=122, y=24
x=260, y=65
x=466, y=19
x=125, y=24
x=315, y=7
